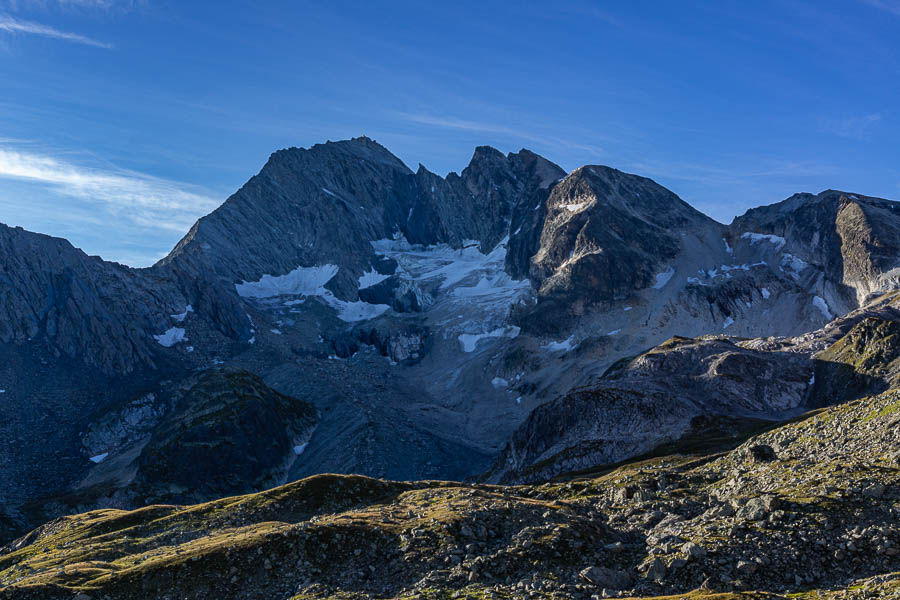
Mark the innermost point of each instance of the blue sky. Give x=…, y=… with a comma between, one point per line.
x=121, y=122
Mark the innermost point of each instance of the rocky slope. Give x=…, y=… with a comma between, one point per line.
x=423, y=317
x=804, y=509
x=684, y=385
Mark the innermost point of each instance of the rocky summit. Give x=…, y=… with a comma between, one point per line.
x=636, y=399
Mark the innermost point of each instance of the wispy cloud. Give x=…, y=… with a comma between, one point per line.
x=13, y=25
x=490, y=128
x=851, y=127
x=891, y=6
x=144, y=200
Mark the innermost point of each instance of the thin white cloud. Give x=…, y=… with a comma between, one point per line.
x=856, y=128
x=12, y=25
x=891, y=6
x=145, y=201
x=480, y=127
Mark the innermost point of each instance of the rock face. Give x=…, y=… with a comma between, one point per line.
x=664, y=395
x=227, y=433
x=606, y=235
x=852, y=240
x=425, y=318
x=79, y=306
x=654, y=398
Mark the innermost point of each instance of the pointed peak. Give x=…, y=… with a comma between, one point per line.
x=486, y=158
x=486, y=155
x=362, y=148
x=547, y=171
x=487, y=152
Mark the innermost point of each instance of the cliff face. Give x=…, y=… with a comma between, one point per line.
x=852, y=239
x=79, y=306
x=684, y=387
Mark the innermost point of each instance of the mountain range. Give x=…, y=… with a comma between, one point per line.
x=511, y=324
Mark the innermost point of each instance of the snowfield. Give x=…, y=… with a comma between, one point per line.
x=310, y=281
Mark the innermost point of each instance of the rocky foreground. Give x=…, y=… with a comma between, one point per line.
x=806, y=509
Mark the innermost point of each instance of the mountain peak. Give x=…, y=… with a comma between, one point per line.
x=361, y=148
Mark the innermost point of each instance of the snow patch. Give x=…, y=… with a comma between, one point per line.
x=564, y=346
x=499, y=382
x=329, y=192
x=357, y=311
x=276, y=331
x=793, y=263
x=728, y=248
x=614, y=332
x=370, y=278
x=819, y=302
x=728, y=323
x=627, y=308
x=181, y=316
x=299, y=448
x=663, y=278
x=99, y=458
x=309, y=281
x=575, y=207
x=302, y=281
x=765, y=293
x=469, y=341
x=170, y=337
x=755, y=238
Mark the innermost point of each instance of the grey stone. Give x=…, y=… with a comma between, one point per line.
x=606, y=578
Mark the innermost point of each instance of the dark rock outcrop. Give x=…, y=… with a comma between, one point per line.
x=227, y=433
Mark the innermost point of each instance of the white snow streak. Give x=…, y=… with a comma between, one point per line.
x=469, y=341
x=370, y=278
x=663, y=278
x=181, y=316
x=171, y=337
x=819, y=302
x=564, y=346
x=755, y=238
